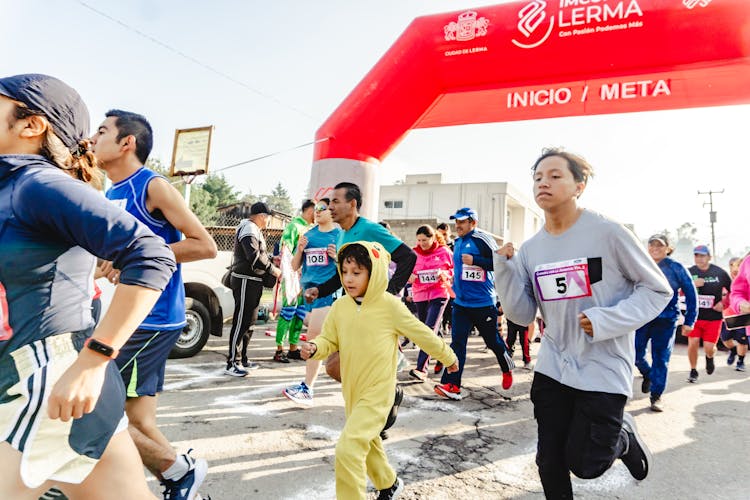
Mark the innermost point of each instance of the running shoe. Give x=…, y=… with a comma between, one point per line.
x=235, y=370
x=637, y=458
x=418, y=375
x=438, y=367
x=397, y=399
x=710, y=367
x=646, y=384
x=527, y=365
x=740, y=366
x=186, y=487
x=656, y=405
x=280, y=357
x=449, y=391
x=693, y=378
x=294, y=355
x=392, y=492
x=250, y=365
x=507, y=380
x=300, y=394
x=732, y=356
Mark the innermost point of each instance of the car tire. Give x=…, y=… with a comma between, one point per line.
x=195, y=334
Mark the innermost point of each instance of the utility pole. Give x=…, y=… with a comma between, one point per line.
x=712, y=215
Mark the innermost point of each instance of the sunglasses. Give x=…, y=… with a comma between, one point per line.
x=321, y=208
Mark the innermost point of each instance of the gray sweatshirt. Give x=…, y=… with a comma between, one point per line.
x=596, y=267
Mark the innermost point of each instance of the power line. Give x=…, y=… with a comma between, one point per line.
x=263, y=157
x=198, y=62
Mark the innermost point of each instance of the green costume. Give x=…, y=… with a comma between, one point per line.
x=292, y=314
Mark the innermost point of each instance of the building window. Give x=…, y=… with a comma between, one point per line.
x=394, y=204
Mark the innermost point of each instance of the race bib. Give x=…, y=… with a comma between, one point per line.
x=429, y=276
x=563, y=280
x=706, y=301
x=316, y=256
x=6, y=331
x=472, y=273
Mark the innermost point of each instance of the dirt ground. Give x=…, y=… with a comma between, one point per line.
x=260, y=445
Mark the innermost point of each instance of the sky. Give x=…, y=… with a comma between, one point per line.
x=266, y=75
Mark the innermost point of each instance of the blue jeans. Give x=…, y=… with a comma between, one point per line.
x=485, y=319
x=660, y=332
x=429, y=312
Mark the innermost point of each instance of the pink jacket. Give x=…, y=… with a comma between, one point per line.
x=740, y=286
x=430, y=268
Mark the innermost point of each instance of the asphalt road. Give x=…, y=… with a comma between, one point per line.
x=259, y=445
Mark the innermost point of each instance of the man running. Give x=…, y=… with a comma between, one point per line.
x=292, y=313
x=122, y=143
x=710, y=281
x=475, y=302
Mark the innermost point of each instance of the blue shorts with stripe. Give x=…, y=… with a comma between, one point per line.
x=53, y=449
x=142, y=361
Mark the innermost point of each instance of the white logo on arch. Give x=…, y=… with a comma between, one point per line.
x=692, y=3
x=531, y=17
x=467, y=27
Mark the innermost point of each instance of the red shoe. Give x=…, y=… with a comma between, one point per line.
x=449, y=391
x=438, y=367
x=507, y=380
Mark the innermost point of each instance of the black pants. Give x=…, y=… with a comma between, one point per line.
x=247, y=293
x=579, y=432
x=522, y=333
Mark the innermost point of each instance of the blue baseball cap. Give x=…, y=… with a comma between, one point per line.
x=55, y=100
x=464, y=213
x=701, y=250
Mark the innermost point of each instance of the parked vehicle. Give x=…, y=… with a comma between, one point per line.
x=208, y=303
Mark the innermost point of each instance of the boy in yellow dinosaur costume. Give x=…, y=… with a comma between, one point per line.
x=364, y=327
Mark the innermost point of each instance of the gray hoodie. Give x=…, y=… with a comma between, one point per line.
x=596, y=267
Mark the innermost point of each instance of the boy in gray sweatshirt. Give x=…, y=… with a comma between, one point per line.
x=595, y=285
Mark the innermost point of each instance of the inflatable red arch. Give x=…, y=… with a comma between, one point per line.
x=535, y=59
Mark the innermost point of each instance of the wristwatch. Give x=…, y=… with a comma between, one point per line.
x=101, y=348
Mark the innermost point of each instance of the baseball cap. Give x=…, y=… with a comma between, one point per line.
x=259, y=208
x=661, y=238
x=464, y=213
x=54, y=99
x=701, y=250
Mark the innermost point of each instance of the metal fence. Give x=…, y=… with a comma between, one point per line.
x=225, y=227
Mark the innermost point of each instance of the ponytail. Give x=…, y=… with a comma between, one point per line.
x=80, y=163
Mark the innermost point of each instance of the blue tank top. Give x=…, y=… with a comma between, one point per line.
x=130, y=194
x=317, y=267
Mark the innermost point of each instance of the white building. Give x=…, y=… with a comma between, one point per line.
x=423, y=199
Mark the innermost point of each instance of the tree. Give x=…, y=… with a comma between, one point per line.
x=221, y=192
x=279, y=200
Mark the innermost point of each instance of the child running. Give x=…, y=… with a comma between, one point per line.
x=364, y=328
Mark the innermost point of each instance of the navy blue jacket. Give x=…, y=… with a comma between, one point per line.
x=50, y=225
x=679, y=278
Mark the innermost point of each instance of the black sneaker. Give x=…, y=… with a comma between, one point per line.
x=693, y=378
x=656, y=405
x=646, y=384
x=394, y=409
x=637, y=458
x=392, y=492
x=294, y=355
x=710, y=367
x=732, y=356
x=280, y=357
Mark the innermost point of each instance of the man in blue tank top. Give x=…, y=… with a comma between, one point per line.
x=122, y=143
